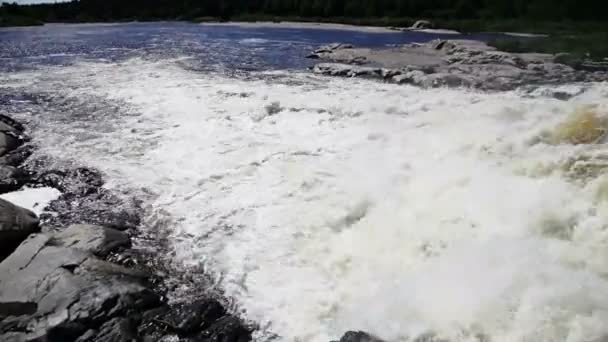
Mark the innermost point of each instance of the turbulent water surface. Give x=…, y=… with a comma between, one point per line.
x=322, y=205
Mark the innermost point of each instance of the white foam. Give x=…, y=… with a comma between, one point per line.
x=34, y=199
x=358, y=205
x=253, y=41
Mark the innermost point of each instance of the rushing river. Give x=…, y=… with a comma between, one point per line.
x=321, y=205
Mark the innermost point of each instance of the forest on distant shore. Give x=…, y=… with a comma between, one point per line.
x=365, y=11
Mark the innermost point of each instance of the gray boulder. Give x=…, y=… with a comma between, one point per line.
x=11, y=178
x=333, y=47
x=422, y=25
x=16, y=224
x=115, y=330
x=324, y=50
x=339, y=69
x=358, y=336
x=11, y=134
x=452, y=63
x=98, y=240
x=54, y=288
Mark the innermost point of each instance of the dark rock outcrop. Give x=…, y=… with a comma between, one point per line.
x=70, y=288
x=358, y=336
x=11, y=134
x=101, y=207
x=16, y=224
x=55, y=287
x=202, y=320
x=451, y=63
x=12, y=178
x=115, y=330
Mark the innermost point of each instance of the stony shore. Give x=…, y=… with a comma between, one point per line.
x=451, y=63
x=76, y=273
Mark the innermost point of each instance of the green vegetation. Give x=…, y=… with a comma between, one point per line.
x=11, y=15
x=580, y=46
x=18, y=21
x=468, y=13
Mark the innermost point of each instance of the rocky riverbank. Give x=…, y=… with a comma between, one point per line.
x=79, y=273
x=451, y=63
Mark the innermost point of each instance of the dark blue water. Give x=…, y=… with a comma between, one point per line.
x=206, y=46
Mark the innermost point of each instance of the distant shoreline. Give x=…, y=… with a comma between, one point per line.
x=325, y=26
x=581, y=42
x=301, y=25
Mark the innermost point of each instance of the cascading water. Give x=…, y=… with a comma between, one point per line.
x=324, y=205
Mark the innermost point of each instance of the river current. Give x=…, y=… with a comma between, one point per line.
x=321, y=205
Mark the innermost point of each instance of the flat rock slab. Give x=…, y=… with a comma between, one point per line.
x=449, y=63
x=16, y=224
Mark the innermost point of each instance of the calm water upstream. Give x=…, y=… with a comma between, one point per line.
x=352, y=204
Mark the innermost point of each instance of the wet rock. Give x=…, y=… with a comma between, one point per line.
x=593, y=66
x=12, y=178
x=327, y=49
x=273, y=108
x=332, y=69
x=17, y=156
x=16, y=224
x=99, y=208
x=11, y=134
x=358, y=336
x=451, y=63
x=415, y=77
x=336, y=69
x=422, y=25
x=333, y=47
x=195, y=317
x=563, y=93
x=84, y=200
x=12, y=124
x=225, y=329
x=115, y=330
x=202, y=320
x=98, y=240
x=54, y=288
x=79, y=181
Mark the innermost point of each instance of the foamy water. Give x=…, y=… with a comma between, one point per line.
x=325, y=205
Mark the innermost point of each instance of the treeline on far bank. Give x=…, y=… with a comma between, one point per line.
x=381, y=12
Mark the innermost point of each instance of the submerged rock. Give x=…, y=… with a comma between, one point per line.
x=16, y=224
x=584, y=126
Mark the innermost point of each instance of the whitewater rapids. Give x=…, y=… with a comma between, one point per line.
x=325, y=205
